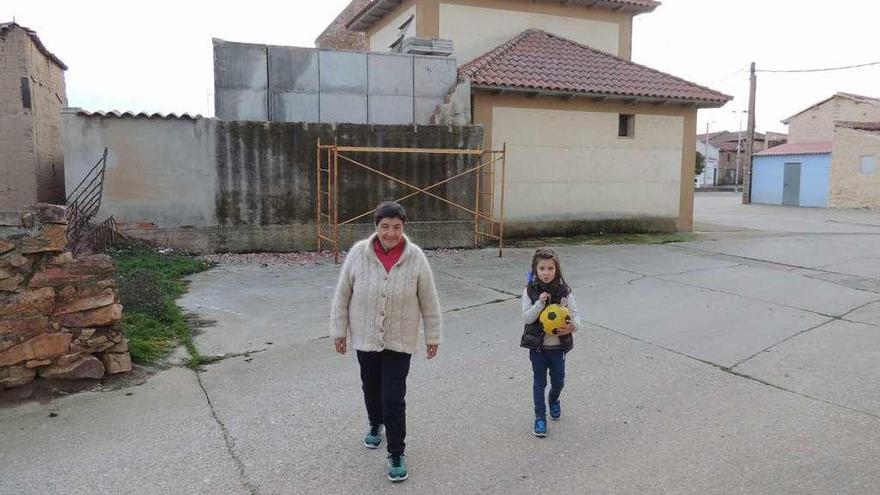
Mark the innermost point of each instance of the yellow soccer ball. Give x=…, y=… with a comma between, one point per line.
x=554, y=317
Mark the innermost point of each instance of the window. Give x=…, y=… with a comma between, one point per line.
x=25, y=92
x=867, y=165
x=626, y=126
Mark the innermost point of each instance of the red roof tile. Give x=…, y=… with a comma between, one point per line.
x=819, y=148
x=540, y=61
x=377, y=9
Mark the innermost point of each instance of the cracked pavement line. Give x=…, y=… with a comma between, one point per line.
x=730, y=371
x=487, y=303
x=228, y=440
x=502, y=291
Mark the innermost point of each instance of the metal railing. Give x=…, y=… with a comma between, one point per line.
x=84, y=202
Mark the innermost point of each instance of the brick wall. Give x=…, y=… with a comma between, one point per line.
x=850, y=187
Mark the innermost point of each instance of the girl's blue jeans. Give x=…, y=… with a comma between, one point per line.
x=543, y=361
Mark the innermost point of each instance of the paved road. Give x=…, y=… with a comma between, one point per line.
x=742, y=363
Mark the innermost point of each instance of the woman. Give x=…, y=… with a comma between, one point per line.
x=385, y=288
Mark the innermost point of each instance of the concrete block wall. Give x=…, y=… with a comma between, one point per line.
x=289, y=84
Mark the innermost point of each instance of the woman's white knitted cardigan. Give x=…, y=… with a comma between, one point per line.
x=381, y=310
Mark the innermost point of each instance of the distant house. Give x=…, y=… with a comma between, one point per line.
x=830, y=158
x=594, y=140
x=32, y=95
x=725, y=161
x=855, y=181
x=816, y=123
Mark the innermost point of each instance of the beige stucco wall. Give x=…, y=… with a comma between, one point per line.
x=475, y=30
x=381, y=39
x=566, y=163
x=849, y=187
x=817, y=124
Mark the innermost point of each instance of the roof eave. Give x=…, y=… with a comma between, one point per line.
x=372, y=14
x=37, y=42
x=631, y=99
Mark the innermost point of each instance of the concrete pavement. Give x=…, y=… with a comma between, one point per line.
x=741, y=363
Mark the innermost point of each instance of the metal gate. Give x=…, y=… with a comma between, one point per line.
x=487, y=225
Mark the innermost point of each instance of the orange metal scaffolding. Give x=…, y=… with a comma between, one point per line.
x=487, y=225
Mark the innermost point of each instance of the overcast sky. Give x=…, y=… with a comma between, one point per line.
x=156, y=56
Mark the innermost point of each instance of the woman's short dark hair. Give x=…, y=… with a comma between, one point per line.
x=389, y=209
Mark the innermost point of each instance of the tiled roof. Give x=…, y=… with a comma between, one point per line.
x=849, y=96
x=132, y=115
x=861, y=126
x=819, y=148
x=543, y=62
x=7, y=26
x=377, y=9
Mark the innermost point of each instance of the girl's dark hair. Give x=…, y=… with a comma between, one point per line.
x=557, y=286
x=389, y=209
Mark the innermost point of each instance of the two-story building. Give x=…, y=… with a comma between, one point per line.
x=829, y=159
x=594, y=141
x=32, y=95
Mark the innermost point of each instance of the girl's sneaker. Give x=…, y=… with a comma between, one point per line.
x=555, y=411
x=373, y=438
x=540, y=427
x=397, y=468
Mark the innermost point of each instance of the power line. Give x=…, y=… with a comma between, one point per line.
x=821, y=70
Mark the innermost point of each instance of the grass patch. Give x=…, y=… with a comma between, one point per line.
x=603, y=239
x=149, y=283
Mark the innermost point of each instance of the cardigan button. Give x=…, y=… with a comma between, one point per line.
x=381, y=313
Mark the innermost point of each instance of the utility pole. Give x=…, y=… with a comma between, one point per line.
x=706, y=154
x=739, y=138
x=750, y=139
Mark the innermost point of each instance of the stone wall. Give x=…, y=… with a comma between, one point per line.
x=855, y=179
x=59, y=316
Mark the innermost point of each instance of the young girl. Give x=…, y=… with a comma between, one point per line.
x=547, y=352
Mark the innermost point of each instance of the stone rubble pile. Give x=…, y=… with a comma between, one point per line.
x=60, y=316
